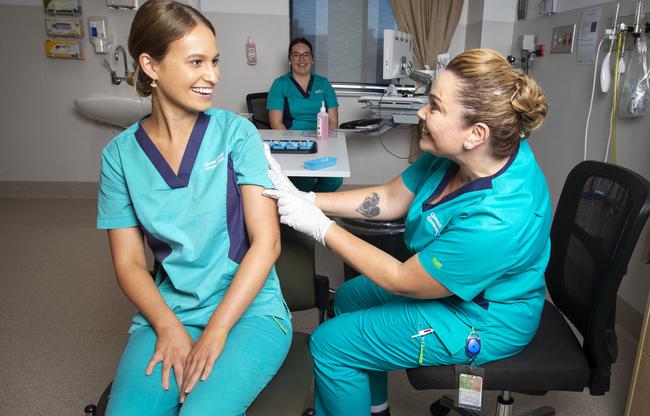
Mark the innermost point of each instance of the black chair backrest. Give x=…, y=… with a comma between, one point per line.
x=256, y=104
x=296, y=269
x=600, y=215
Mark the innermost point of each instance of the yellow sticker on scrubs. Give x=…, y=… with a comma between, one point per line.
x=436, y=263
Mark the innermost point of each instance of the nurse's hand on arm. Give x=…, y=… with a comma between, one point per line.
x=275, y=119
x=173, y=343
x=406, y=279
x=264, y=235
x=384, y=202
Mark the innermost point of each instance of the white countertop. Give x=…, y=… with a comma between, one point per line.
x=292, y=164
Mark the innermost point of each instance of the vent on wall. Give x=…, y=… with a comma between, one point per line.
x=122, y=4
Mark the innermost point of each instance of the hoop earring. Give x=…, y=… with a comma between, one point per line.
x=153, y=84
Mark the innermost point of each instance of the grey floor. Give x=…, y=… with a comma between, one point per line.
x=64, y=320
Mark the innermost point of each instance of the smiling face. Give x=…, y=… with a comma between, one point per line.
x=300, y=59
x=443, y=130
x=188, y=72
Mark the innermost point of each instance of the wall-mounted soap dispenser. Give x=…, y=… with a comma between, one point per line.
x=99, y=35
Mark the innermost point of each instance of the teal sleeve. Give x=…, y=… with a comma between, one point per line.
x=471, y=252
x=330, y=96
x=275, y=99
x=248, y=156
x=417, y=172
x=114, y=205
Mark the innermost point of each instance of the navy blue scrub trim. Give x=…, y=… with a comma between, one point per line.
x=159, y=248
x=481, y=301
x=189, y=156
x=287, y=119
x=237, y=234
x=475, y=185
x=305, y=94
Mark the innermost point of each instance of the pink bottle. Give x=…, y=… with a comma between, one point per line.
x=322, y=123
x=251, y=52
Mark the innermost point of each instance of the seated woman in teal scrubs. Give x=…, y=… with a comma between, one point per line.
x=478, y=219
x=212, y=327
x=294, y=100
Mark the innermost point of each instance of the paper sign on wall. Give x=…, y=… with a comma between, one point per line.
x=587, y=36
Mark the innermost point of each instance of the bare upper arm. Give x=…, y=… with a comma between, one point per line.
x=417, y=283
x=275, y=119
x=127, y=247
x=398, y=197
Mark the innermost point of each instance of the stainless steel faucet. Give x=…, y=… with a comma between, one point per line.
x=128, y=76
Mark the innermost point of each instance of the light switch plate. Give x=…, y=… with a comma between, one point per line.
x=562, y=39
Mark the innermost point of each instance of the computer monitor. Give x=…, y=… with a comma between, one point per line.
x=397, y=54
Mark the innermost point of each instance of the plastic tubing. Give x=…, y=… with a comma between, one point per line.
x=619, y=43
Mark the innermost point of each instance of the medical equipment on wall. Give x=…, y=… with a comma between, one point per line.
x=62, y=7
x=548, y=7
x=63, y=27
x=397, y=54
x=617, y=35
x=64, y=48
x=605, y=68
x=122, y=4
x=635, y=93
x=99, y=35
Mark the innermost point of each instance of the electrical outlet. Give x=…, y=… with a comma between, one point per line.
x=562, y=39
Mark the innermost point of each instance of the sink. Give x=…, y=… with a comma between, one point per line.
x=113, y=110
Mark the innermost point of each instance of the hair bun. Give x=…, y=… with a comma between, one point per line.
x=529, y=103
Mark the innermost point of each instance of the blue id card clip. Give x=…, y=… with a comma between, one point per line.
x=320, y=163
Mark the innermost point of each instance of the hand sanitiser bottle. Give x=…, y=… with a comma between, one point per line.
x=322, y=123
x=251, y=52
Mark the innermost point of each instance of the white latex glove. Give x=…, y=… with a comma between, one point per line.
x=280, y=180
x=301, y=214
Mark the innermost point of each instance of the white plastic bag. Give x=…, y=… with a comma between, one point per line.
x=635, y=94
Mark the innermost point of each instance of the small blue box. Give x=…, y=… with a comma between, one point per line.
x=320, y=163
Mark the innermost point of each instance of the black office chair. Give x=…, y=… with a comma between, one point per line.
x=256, y=104
x=287, y=394
x=600, y=214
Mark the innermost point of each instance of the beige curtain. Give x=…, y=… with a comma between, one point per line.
x=431, y=24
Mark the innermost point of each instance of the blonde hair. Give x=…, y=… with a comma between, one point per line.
x=511, y=104
x=155, y=26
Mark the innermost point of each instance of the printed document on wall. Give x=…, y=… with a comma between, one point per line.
x=587, y=37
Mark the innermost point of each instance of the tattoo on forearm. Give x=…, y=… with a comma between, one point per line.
x=370, y=206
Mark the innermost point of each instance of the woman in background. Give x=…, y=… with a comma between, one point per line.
x=212, y=327
x=294, y=100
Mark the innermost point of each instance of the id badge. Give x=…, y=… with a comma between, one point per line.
x=469, y=387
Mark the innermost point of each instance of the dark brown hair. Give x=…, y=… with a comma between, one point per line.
x=155, y=26
x=511, y=104
x=304, y=41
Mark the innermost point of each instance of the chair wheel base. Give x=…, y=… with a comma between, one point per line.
x=445, y=404
x=438, y=409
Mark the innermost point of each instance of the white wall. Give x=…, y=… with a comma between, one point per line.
x=44, y=139
x=559, y=145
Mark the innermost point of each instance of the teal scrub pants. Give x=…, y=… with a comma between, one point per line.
x=309, y=184
x=254, y=351
x=370, y=335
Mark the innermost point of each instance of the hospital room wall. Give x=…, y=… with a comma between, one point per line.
x=44, y=139
x=559, y=145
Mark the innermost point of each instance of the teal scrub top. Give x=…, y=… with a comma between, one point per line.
x=299, y=107
x=193, y=221
x=487, y=243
